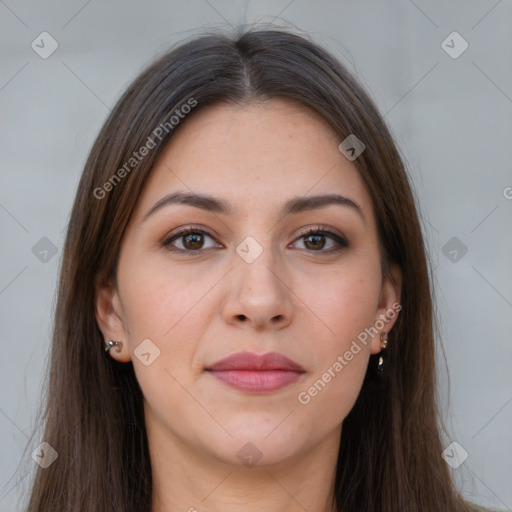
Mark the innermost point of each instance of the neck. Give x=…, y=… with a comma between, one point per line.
x=185, y=479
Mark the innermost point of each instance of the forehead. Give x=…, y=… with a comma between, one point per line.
x=256, y=155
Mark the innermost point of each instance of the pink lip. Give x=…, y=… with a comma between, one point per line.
x=247, y=371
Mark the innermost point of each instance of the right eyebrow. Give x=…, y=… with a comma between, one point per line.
x=203, y=201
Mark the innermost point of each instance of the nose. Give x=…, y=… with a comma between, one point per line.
x=258, y=296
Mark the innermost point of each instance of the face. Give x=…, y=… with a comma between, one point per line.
x=263, y=268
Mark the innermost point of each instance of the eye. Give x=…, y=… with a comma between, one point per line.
x=190, y=240
x=316, y=240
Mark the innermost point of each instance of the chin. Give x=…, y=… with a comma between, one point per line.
x=256, y=447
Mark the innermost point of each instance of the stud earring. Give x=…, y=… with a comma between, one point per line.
x=383, y=345
x=109, y=344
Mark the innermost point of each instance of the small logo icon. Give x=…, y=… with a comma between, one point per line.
x=45, y=455
x=249, y=249
x=44, y=250
x=146, y=352
x=249, y=455
x=454, y=455
x=507, y=192
x=351, y=147
x=454, y=249
x=454, y=45
x=44, y=45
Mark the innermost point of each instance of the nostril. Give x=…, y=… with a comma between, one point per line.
x=241, y=317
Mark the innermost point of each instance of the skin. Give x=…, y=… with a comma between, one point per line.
x=296, y=298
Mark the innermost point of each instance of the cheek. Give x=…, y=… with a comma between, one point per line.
x=347, y=308
x=347, y=304
x=160, y=299
x=163, y=306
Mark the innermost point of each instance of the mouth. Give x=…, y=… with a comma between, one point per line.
x=253, y=373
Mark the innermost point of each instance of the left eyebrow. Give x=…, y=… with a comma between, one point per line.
x=293, y=206
x=305, y=203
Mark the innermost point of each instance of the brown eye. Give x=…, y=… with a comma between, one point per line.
x=193, y=241
x=189, y=240
x=316, y=240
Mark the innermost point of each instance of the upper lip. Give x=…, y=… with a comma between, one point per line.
x=256, y=362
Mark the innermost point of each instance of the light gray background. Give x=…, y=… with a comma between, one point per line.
x=452, y=118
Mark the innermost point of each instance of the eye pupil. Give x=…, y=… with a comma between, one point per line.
x=196, y=239
x=318, y=241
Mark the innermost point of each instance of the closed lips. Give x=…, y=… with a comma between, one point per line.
x=256, y=374
x=253, y=362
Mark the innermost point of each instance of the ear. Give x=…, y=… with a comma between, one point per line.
x=388, y=307
x=110, y=319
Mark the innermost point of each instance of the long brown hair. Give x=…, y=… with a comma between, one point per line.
x=390, y=452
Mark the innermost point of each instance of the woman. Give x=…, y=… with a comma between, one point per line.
x=244, y=317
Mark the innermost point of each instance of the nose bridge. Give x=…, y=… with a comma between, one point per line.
x=259, y=265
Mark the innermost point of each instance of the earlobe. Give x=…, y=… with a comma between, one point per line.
x=111, y=343
x=110, y=322
x=121, y=352
x=388, y=308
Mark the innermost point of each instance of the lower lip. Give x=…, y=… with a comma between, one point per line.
x=257, y=381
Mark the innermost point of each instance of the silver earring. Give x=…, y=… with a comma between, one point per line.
x=109, y=344
x=383, y=345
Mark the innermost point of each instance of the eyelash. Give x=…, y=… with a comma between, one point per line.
x=318, y=231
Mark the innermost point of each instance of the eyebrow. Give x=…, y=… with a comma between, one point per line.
x=294, y=205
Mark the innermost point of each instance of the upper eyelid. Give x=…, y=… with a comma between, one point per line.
x=189, y=229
